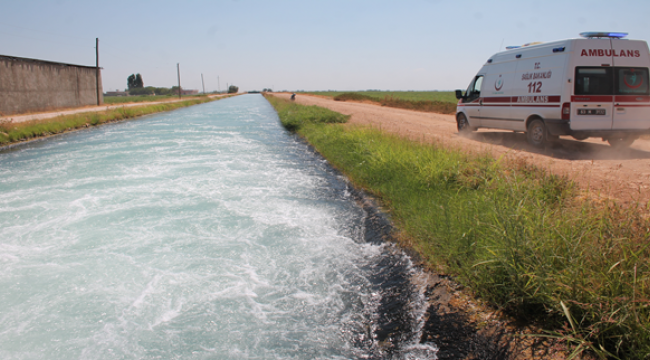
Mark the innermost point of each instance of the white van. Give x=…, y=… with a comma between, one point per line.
x=596, y=86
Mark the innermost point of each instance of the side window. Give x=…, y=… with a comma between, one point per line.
x=474, y=89
x=632, y=81
x=593, y=81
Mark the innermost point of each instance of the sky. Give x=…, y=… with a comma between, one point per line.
x=299, y=45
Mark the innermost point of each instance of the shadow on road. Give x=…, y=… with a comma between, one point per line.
x=564, y=149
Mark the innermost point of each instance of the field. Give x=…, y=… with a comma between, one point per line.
x=444, y=96
x=519, y=237
x=443, y=102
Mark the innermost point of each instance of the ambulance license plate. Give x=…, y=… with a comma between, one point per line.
x=591, y=112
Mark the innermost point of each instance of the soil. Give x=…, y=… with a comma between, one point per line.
x=460, y=324
x=599, y=170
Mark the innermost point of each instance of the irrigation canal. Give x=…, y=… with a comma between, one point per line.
x=203, y=233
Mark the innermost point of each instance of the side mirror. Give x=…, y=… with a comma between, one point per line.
x=459, y=94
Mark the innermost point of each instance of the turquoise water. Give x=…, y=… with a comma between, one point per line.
x=203, y=233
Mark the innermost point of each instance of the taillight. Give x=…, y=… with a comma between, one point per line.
x=566, y=111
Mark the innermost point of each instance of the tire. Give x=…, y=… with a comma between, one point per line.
x=537, y=133
x=463, y=125
x=621, y=142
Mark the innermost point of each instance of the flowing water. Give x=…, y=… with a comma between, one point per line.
x=204, y=233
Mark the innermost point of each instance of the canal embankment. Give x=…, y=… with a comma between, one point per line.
x=518, y=238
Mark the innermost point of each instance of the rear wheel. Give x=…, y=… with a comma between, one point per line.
x=537, y=134
x=463, y=125
x=620, y=142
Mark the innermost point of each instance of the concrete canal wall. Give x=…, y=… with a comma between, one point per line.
x=29, y=85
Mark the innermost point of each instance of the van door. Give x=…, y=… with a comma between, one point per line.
x=539, y=84
x=593, y=100
x=496, y=101
x=472, y=101
x=631, y=85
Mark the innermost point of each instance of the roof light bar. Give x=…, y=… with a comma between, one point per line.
x=524, y=45
x=603, y=34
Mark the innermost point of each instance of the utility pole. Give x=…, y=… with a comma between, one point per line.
x=178, y=71
x=97, y=75
x=218, y=85
x=202, y=83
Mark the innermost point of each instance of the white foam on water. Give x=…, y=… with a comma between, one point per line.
x=206, y=232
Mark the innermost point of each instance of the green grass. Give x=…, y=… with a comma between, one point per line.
x=12, y=133
x=142, y=98
x=146, y=98
x=294, y=116
x=517, y=236
x=428, y=101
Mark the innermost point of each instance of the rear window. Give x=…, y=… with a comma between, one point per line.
x=594, y=81
x=631, y=81
x=611, y=81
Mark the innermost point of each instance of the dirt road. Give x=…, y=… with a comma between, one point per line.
x=598, y=169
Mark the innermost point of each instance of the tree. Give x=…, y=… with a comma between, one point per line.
x=134, y=81
x=233, y=89
x=130, y=81
x=138, y=81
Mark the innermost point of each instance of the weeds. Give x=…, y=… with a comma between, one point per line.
x=519, y=237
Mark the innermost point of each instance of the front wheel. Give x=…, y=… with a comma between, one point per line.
x=463, y=125
x=537, y=134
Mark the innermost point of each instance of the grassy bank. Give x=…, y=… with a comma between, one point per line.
x=517, y=236
x=443, y=102
x=295, y=116
x=12, y=133
x=111, y=100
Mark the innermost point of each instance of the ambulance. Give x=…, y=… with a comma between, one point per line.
x=594, y=86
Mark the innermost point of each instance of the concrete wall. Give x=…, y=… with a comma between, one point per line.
x=28, y=85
